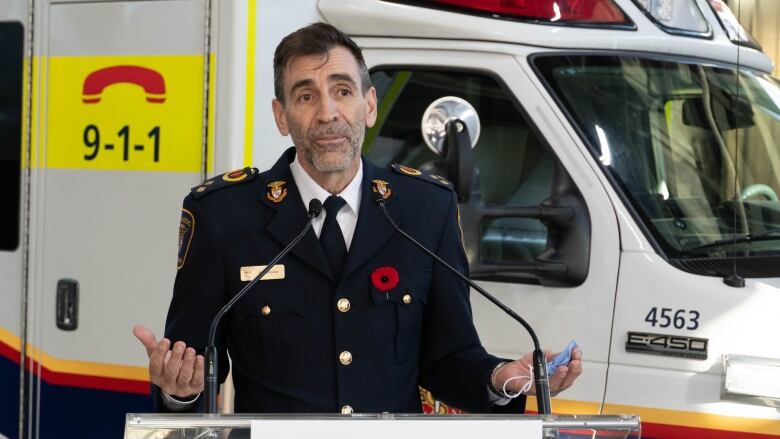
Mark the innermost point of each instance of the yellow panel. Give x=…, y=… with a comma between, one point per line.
x=125, y=113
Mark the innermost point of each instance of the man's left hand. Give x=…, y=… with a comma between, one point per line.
x=562, y=379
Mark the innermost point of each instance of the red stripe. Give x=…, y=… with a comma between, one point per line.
x=666, y=431
x=654, y=430
x=77, y=380
x=9, y=353
x=95, y=382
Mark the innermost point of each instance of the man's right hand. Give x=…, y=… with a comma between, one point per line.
x=177, y=372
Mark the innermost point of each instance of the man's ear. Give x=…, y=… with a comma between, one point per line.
x=370, y=107
x=281, y=121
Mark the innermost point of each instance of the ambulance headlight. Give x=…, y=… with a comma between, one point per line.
x=676, y=16
x=751, y=379
x=737, y=34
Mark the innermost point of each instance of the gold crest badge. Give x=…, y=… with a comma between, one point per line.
x=276, y=192
x=382, y=188
x=409, y=171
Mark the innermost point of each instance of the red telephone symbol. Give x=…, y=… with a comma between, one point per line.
x=151, y=81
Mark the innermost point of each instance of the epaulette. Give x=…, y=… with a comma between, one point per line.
x=224, y=180
x=430, y=178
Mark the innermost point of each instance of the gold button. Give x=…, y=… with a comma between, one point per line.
x=346, y=410
x=343, y=305
x=407, y=298
x=345, y=358
x=265, y=310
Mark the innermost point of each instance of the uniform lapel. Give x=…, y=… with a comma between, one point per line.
x=372, y=230
x=290, y=218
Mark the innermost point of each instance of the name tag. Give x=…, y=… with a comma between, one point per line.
x=251, y=272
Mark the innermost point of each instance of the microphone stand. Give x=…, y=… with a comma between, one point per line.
x=541, y=383
x=315, y=208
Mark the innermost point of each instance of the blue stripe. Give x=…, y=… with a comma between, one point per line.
x=66, y=411
x=87, y=413
x=9, y=398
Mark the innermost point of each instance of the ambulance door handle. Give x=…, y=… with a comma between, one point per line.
x=67, y=304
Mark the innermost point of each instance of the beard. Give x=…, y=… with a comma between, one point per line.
x=330, y=158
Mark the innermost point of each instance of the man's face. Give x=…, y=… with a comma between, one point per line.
x=325, y=111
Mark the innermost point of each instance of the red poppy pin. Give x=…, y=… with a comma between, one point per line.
x=385, y=278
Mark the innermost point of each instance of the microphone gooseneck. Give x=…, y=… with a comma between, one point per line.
x=315, y=208
x=541, y=383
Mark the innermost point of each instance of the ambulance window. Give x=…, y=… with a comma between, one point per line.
x=11, y=57
x=515, y=166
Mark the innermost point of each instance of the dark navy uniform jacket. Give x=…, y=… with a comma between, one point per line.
x=287, y=357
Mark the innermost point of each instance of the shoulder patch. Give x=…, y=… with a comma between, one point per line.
x=224, y=180
x=430, y=178
x=186, y=230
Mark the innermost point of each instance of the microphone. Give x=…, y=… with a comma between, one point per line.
x=541, y=383
x=315, y=208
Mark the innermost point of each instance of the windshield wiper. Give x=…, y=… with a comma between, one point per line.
x=763, y=236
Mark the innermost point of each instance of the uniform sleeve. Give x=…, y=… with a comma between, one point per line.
x=198, y=291
x=454, y=365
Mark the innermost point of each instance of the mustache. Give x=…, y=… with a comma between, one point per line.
x=334, y=129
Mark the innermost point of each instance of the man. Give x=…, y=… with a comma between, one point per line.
x=357, y=318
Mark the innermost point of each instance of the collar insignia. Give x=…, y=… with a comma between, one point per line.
x=409, y=171
x=276, y=192
x=440, y=179
x=382, y=188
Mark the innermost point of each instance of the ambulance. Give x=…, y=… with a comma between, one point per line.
x=616, y=165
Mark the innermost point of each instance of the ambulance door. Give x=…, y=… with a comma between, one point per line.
x=524, y=157
x=121, y=142
x=13, y=27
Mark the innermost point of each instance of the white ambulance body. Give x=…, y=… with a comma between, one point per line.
x=627, y=116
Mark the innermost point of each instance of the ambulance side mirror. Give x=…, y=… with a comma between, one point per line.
x=564, y=214
x=450, y=128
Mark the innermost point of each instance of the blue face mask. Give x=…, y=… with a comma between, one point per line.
x=561, y=359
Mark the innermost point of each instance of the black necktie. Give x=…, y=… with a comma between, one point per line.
x=331, y=238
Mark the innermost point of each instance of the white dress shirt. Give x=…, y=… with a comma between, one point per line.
x=310, y=189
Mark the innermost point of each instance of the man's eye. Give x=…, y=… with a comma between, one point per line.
x=306, y=98
x=345, y=92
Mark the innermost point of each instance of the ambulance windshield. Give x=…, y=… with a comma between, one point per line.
x=691, y=147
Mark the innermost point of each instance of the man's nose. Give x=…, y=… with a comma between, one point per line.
x=327, y=110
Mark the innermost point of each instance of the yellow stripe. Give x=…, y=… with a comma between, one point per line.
x=104, y=370
x=25, y=110
x=249, y=113
x=9, y=338
x=667, y=417
x=567, y=406
x=697, y=420
x=35, y=132
x=210, y=120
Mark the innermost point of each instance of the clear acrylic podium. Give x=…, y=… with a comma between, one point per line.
x=383, y=425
